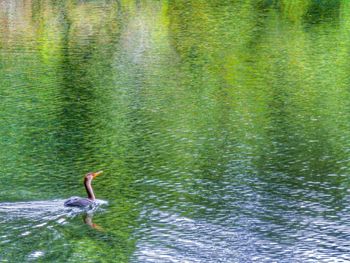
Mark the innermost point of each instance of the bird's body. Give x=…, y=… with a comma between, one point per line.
x=79, y=202
x=84, y=202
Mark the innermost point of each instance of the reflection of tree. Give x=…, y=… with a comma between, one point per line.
x=276, y=83
x=15, y=17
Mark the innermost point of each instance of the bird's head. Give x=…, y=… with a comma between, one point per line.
x=92, y=175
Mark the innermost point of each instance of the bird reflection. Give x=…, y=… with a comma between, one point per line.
x=88, y=220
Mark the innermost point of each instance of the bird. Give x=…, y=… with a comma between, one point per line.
x=85, y=202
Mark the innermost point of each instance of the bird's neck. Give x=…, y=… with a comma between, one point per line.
x=89, y=190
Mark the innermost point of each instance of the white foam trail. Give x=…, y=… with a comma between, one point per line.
x=38, y=210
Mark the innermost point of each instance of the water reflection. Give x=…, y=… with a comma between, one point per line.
x=223, y=129
x=88, y=219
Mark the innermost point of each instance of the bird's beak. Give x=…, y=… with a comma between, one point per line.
x=97, y=174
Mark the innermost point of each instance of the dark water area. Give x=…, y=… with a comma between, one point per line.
x=222, y=127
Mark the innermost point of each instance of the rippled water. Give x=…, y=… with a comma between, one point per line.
x=223, y=130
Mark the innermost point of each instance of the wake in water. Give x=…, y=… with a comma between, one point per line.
x=23, y=223
x=47, y=210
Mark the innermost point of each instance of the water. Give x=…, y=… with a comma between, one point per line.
x=222, y=129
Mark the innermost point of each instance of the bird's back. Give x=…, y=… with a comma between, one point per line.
x=78, y=202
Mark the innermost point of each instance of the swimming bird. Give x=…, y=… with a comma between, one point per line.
x=85, y=202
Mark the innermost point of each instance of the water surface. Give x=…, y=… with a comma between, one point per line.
x=223, y=130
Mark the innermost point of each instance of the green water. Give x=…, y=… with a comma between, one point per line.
x=222, y=127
